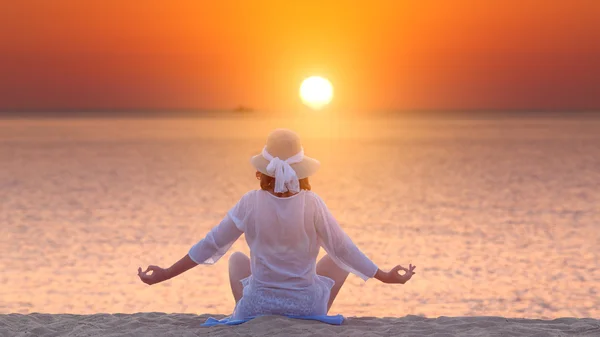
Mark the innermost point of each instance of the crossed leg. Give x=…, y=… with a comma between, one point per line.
x=326, y=267
x=239, y=269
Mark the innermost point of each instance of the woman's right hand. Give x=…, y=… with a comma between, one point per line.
x=393, y=276
x=158, y=275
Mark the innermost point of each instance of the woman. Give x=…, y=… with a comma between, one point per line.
x=285, y=225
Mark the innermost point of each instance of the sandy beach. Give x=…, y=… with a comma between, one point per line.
x=160, y=324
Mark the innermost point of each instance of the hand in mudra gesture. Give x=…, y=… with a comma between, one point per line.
x=408, y=273
x=393, y=276
x=158, y=275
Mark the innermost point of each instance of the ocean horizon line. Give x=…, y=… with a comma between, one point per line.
x=202, y=113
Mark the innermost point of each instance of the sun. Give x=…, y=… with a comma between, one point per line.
x=316, y=92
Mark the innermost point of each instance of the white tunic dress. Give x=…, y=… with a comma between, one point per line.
x=284, y=236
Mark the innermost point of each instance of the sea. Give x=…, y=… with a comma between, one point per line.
x=500, y=213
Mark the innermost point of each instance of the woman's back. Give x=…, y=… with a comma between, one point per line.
x=282, y=238
x=285, y=234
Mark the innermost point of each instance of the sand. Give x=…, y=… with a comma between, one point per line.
x=160, y=324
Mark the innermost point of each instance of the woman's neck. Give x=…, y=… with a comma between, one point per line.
x=281, y=195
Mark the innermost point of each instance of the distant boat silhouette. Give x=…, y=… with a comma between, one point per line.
x=243, y=108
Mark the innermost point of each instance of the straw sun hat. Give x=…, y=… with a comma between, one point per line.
x=283, y=159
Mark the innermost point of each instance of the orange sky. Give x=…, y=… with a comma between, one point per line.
x=380, y=55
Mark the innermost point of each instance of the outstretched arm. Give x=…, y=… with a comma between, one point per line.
x=347, y=255
x=160, y=274
x=338, y=244
x=207, y=251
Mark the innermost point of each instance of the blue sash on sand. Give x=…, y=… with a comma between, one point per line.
x=334, y=320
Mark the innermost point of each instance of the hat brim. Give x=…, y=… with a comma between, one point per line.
x=306, y=168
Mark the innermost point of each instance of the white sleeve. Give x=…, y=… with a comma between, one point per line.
x=218, y=241
x=338, y=244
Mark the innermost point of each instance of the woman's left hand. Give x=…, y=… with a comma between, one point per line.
x=158, y=275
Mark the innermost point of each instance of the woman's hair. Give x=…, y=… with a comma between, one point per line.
x=267, y=183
